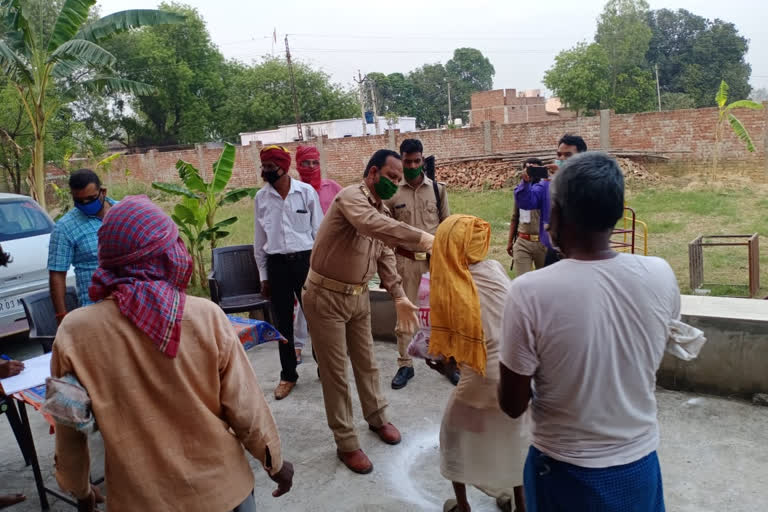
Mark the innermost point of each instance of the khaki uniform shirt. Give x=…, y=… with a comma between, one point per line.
x=351, y=244
x=175, y=430
x=417, y=206
x=529, y=228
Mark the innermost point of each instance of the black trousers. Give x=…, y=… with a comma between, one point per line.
x=552, y=257
x=286, y=275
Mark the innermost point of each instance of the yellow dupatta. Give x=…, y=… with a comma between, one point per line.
x=457, y=326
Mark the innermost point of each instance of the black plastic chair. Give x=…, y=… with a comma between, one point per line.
x=41, y=316
x=234, y=281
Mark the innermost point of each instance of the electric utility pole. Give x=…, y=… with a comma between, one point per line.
x=361, y=94
x=658, y=87
x=293, y=90
x=450, y=114
x=372, y=86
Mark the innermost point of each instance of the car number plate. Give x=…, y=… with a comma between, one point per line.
x=10, y=305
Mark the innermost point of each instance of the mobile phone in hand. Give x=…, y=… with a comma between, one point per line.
x=540, y=173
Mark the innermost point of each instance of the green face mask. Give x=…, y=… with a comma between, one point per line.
x=412, y=174
x=385, y=189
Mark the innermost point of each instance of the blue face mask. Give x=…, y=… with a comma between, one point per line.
x=559, y=163
x=91, y=209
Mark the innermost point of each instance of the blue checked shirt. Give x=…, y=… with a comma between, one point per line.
x=74, y=242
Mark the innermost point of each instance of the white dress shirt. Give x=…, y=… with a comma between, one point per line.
x=285, y=226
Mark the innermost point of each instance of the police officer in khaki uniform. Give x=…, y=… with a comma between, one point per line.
x=421, y=203
x=354, y=242
x=524, y=244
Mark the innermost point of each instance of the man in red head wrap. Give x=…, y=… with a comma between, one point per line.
x=288, y=215
x=308, y=165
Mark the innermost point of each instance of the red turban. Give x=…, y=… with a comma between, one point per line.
x=311, y=175
x=277, y=154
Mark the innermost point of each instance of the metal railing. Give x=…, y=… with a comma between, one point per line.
x=628, y=235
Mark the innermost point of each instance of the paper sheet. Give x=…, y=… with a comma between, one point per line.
x=525, y=216
x=36, y=370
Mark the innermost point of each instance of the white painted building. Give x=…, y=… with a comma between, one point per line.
x=336, y=129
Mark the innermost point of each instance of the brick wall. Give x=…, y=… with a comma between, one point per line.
x=687, y=136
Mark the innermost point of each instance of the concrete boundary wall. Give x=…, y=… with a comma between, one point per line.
x=734, y=361
x=686, y=136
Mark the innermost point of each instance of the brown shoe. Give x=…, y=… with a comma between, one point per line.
x=356, y=461
x=387, y=433
x=284, y=389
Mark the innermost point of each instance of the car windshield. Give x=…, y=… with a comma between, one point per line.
x=22, y=219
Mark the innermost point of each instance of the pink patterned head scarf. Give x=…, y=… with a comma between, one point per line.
x=145, y=267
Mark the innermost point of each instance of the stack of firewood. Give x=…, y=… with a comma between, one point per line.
x=501, y=171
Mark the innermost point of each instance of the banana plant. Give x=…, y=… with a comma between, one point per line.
x=48, y=70
x=725, y=114
x=195, y=214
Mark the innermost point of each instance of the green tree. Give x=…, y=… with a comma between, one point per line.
x=259, y=97
x=468, y=71
x=37, y=62
x=623, y=31
x=430, y=91
x=580, y=77
x=394, y=93
x=186, y=69
x=718, y=52
x=694, y=54
x=676, y=101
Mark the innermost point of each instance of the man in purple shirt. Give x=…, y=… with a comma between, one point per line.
x=536, y=196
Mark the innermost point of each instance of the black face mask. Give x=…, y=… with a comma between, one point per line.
x=271, y=176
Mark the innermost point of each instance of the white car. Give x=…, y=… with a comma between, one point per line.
x=25, y=230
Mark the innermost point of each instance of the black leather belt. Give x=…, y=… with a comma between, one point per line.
x=291, y=256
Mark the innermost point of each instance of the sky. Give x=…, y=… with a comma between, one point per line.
x=520, y=38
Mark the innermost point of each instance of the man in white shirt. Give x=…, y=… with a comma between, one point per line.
x=287, y=216
x=590, y=332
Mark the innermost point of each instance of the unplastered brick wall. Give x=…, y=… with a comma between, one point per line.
x=686, y=136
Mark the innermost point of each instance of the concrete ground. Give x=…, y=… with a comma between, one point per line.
x=713, y=453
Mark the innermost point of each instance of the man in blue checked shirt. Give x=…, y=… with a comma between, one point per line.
x=74, y=240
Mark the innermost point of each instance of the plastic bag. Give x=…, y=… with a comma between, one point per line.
x=419, y=345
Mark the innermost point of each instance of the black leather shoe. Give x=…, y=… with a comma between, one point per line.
x=454, y=377
x=402, y=377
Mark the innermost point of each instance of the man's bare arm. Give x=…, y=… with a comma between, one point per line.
x=514, y=392
x=58, y=287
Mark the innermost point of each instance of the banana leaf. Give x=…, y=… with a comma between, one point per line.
x=741, y=132
x=222, y=169
x=191, y=177
x=722, y=94
x=235, y=195
x=123, y=21
x=71, y=18
x=752, y=105
x=174, y=189
x=84, y=52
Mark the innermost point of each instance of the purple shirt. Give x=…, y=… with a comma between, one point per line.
x=328, y=190
x=535, y=197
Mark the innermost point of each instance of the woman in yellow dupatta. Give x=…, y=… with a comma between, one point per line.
x=479, y=444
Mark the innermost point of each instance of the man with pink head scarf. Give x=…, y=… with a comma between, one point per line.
x=175, y=397
x=308, y=165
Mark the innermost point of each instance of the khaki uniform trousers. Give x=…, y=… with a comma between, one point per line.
x=410, y=271
x=340, y=325
x=526, y=254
